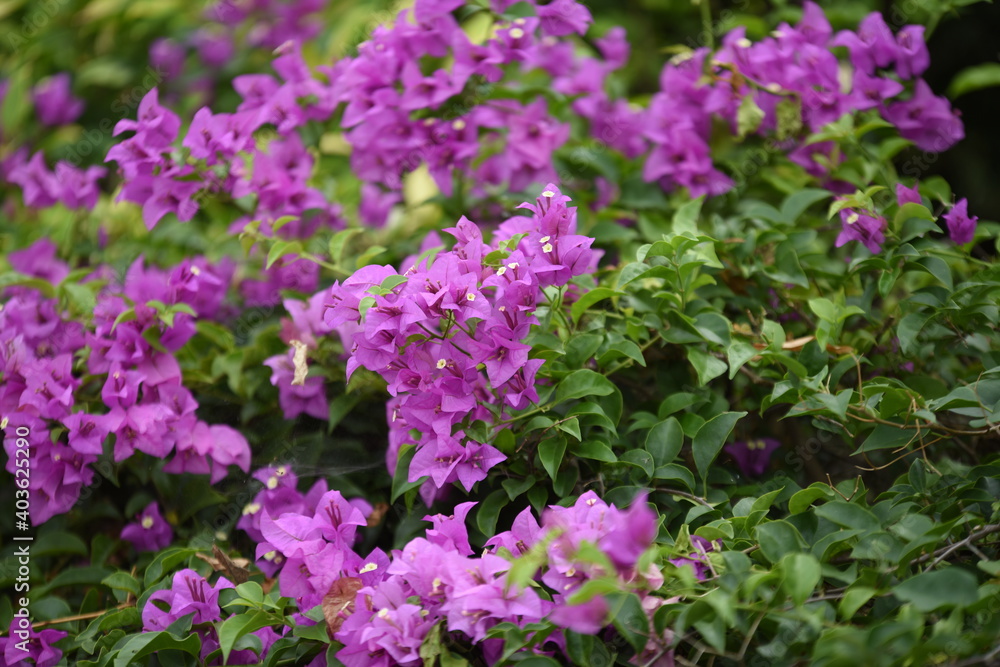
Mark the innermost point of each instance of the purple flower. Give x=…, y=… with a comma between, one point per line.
x=753, y=456
x=632, y=534
x=905, y=195
x=926, y=119
x=912, y=58
x=150, y=532
x=872, y=46
x=698, y=559
x=215, y=50
x=564, y=17
x=167, y=56
x=961, y=226
x=37, y=648
x=188, y=594
x=54, y=101
x=449, y=531
x=862, y=226
x=587, y=618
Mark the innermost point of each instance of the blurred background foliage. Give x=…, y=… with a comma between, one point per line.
x=105, y=44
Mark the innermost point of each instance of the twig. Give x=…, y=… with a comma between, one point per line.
x=944, y=552
x=82, y=617
x=689, y=496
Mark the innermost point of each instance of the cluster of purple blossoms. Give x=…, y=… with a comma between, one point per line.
x=37, y=345
x=130, y=346
x=868, y=227
x=388, y=605
x=190, y=594
x=280, y=496
x=220, y=155
x=150, y=409
x=447, y=336
x=399, y=115
x=794, y=71
x=36, y=649
x=66, y=184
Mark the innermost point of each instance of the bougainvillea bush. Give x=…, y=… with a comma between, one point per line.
x=337, y=334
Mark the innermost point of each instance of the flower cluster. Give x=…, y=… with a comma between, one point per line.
x=42, y=187
x=784, y=82
x=136, y=327
x=382, y=608
x=397, y=115
x=430, y=329
x=868, y=227
x=66, y=184
x=191, y=595
x=400, y=115
x=36, y=649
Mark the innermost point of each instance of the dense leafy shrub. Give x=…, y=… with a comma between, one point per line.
x=416, y=340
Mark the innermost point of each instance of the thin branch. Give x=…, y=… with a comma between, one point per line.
x=944, y=552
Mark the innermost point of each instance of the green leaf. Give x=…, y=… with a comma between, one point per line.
x=908, y=329
x=280, y=249
x=640, y=458
x=391, y=282
x=150, y=642
x=848, y=515
x=739, y=353
x=884, y=436
x=164, y=562
x=594, y=450
x=80, y=296
x=282, y=221
x=368, y=255
x=340, y=407
x=489, y=510
x=58, y=542
x=12, y=278
x=123, y=581
x=251, y=591
x=581, y=305
x=710, y=438
x=803, y=500
x=237, y=626
x=400, y=485
x=797, y=203
x=778, y=538
x=974, y=78
x=338, y=241
x=948, y=587
x=664, y=441
x=686, y=217
x=629, y=618
x=854, y=598
x=571, y=426
x=550, y=452
x=801, y=573
x=825, y=309
x=581, y=383
x=705, y=365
